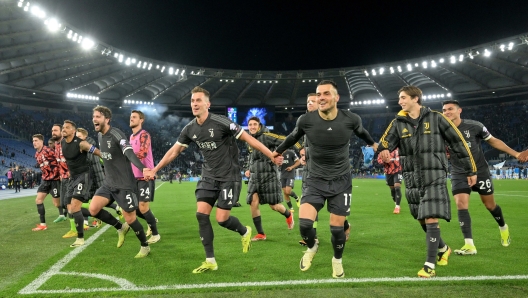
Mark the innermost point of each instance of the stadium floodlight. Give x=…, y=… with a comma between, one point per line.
x=127, y=62
x=133, y=60
x=150, y=66
x=177, y=71
x=115, y=54
x=442, y=95
x=448, y=94
x=171, y=71
x=38, y=12
x=139, y=64
x=383, y=101
x=157, y=66
x=424, y=64
x=441, y=60
x=433, y=63
x=366, y=73
x=502, y=47
x=461, y=58
x=409, y=67
x=74, y=38
x=163, y=69
x=70, y=34
x=53, y=24
x=487, y=53
x=452, y=59
x=20, y=4
x=144, y=64
x=381, y=70
x=415, y=64
x=510, y=46
x=80, y=39
x=373, y=72
x=391, y=70
x=87, y=44
x=183, y=72
x=399, y=69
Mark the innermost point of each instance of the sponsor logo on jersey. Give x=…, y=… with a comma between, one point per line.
x=405, y=130
x=329, y=128
x=194, y=136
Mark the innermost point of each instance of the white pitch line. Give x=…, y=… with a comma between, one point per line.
x=56, y=268
x=288, y=283
x=507, y=195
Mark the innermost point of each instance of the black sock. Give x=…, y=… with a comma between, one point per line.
x=338, y=241
x=151, y=221
x=206, y=233
x=398, y=195
x=61, y=210
x=289, y=204
x=42, y=212
x=424, y=227
x=292, y=194
x=497, y=214
x=431, y=237
x=287, y=213
x=85, y=212
x=233, y=224
x=140, y=233
x=79, y=223
x=139, y=214
x=393, y=194
x=307, y=231
x=257, y=221
x=107, y=218
x=465, y=223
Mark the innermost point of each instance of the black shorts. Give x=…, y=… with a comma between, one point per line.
x=63, y=191
x=287, y=182
x=337, y=192
x=51, y=187
x=145, y=190
x=224, y=193
x=392, y=179
x=79, y=188
x=484, y=185
x=125, y=198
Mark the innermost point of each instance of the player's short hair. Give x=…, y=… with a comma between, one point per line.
x=141, y=115
x=412, y=91
x=311, y=94
x=328, y=82
x=56, y=124
x=51, y=142
x=70, y=123
x=107, y=113
x=38, y=136
x=451, y=101
x=255, y=118
x=83, y=131
x=200, y=89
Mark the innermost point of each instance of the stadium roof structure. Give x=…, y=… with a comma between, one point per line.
x=44, y=62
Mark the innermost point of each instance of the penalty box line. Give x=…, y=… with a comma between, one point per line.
x=32, y=287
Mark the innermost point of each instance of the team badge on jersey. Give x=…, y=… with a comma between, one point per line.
x=109, y=144
x=212, y=132
x=467, y=133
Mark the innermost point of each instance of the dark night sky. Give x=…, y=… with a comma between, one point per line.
x=290, y=35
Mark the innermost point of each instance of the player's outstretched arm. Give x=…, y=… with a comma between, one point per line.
x=87, y=147
x=523, y=156
x=389, y=141
x=500, y=145
x=255, y=144
x=173, y=152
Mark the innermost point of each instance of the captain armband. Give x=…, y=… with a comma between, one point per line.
x=92, y=149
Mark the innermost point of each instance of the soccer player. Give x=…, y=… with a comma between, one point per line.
x=264, y=185
x=75, y=150
x=474, y=132
x=141, y=143
x=393, y=176
x=420, y=134
x=119, y=184
x=215, y=135
x=329, y=179
x=50, y=179
x=287, y=177
x=56, y=137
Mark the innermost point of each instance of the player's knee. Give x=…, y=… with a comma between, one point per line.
x=143, y=208
x=305, y=225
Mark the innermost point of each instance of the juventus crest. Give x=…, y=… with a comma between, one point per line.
x=109, y=143
x=467, y=133
x=212, y=132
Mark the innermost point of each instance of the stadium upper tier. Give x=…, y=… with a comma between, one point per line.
x=44, y=61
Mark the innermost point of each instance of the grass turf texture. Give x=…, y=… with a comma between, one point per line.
x=382, y=245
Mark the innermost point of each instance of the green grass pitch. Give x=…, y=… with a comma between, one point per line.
x=381, y=259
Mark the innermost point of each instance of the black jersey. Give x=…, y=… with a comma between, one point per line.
x=117, y=167
x=75, y=159
x=216, y=138
x=289, y=159
x=473, y=132
x=329, y=142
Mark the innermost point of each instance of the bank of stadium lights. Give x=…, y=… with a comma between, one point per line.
x=304, y=81
x=271, y=82
x=82, y=96
x=138, y=102
x=436, y=96
x=227, y=81
x=368, y=102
